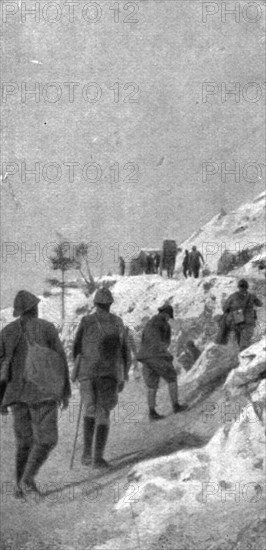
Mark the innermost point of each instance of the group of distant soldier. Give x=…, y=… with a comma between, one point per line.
x=30, y=348
x=192, y=262
x=156, y=262
x=147, y=262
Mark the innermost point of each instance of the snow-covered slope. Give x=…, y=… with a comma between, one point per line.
x=221, y=486
x=235, y=231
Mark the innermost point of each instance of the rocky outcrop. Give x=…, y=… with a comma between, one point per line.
x=211, y=367
x=235, y=232
x=214, y=486
x=230, y=261
x=250, y=371
x=249, y=379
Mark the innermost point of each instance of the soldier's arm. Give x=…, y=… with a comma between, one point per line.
x=227, y=305
x=2, y=355
x=9, y=338
x=77, y=346
x=257, y=302
x=8, y=342
x=200, y=256
x=2, y=345
x=3, y=374
x=125, y=350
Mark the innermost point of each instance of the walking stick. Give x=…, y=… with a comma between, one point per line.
x=76, y=436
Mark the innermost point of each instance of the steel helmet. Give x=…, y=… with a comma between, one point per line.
x=168, y=309
x=24, y=301
x=243, y=284
x=103, y=296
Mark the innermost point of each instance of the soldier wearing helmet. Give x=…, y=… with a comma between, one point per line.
x=100, y=346
x=195, y=257
x=157, y=360
x=35, y=414
x=240, y=314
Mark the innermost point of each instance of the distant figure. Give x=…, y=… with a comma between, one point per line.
x=122, y=266
x=186, y=264
x=153, y=267
x=34, y=406
x=240, y=315
x=138, y=265
x=157, y=261
x=169, y=254
x=189, y=356
x=150, y=265
x=194, y=259
x=157, y=360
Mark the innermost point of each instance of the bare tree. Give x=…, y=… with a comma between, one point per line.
x=82, y=260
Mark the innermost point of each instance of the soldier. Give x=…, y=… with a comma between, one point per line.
x=150, y=264
x=186, y=264
x=35, y=416
x=104, y=362
x=194, y=260
x=122, y=266
x=157, y=360
x=169, y=254
x=157, y=261
x=241, y=315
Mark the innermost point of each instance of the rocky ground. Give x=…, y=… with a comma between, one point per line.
x=177, y=499
x=78, y=510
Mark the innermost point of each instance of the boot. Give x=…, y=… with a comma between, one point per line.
x=88, y=431
x=102, y=431
x=21, y=460
x=37, y=457
x=151, y=399
x=173, y=396
x=172, y=388
x=179, y=408
x=153, y=415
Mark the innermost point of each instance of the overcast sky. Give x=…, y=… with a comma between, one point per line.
x=144, y=140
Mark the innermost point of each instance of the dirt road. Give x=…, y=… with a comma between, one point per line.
x=77, y=510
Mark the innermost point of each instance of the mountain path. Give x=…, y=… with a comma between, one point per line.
x=78, y=507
